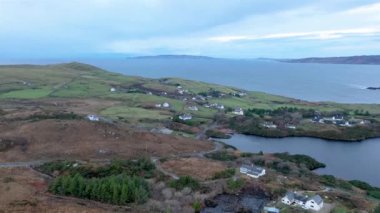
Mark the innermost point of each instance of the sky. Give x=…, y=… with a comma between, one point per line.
x=218, y=28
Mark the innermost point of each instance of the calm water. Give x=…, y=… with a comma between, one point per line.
x=345, y=160
x=313, y=82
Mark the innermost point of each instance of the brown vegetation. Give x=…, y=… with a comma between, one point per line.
x=199, y=168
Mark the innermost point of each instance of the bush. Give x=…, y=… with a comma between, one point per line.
x=197, y=206
x=235, y=185
x=120, y=189
x=246, y=154
x=227, y=173
x=377, y=210
x=216, y=134
x=222, y=156
x=142, y=167
x=308, y=161
x=361, y=185
x=185, y=181
x=328, y=180
x=374, y=194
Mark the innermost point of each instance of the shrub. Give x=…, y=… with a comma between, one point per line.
x=377, y=210
x=374, y=194
x=235, y=185
x=246, y=154
x=222, y=156
x=361, y=185
x=185, y=181
x=308, y=161
x=141, y=167
x=227, y=173
x=328, y=180
x=197, y=206
x=216, y=134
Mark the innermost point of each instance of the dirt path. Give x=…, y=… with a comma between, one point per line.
x=202, y=134
x=21, y=164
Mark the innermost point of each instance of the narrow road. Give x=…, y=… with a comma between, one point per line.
x=202, y=134
x=21, y=164
x=159, y=168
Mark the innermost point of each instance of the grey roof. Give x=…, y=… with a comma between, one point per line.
x=254, y=170
x=293, y=196
x=290, y=195
x=317, y=199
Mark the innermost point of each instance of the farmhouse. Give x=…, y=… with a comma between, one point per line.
x=313, y=203
x=193, y=108
x=185, y=117
x=252, y=171
x=93, y=117
x=269, y=125
x=166, y=105
x=238, y=111
x=113, y=89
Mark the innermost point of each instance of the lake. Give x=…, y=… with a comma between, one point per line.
x=358, y=160
x=312, y=82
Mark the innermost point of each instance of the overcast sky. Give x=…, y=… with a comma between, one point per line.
x=220, y=28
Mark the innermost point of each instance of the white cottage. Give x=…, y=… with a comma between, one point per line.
x=93, y=117
x=238, y=111
x=314, y=203
x=193, y=108
x=185, y=117
x=252, y=171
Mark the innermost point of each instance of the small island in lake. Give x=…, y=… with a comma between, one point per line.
x=373, y=88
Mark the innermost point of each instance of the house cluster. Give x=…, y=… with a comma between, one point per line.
x=182, y=91
x=252, y=171
x=185, y=117
x=163, y=105
x=215, y=106
x=337, y=120
x=193, y=108
x=238, y=111
x=294, y=199
x=239, y=94
x=269, y=125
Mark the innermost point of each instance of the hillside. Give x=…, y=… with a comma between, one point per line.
x=74, y=138
x=371, y=59
x=173, y=57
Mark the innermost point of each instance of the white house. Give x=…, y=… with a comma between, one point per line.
x=315, y=203
x=269, y=125
x=289, y=126
x=238, y=111
x=294, y=199
x=158, y=105
x=113, y=89
x=166, y=105
x=193, y=108
x=93, y=117
x=185, y=117
x=252, y=171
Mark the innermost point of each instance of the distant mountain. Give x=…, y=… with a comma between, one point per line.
x=172, y=57
x=365, y=59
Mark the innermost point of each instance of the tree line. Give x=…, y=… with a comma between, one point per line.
x=120, y=189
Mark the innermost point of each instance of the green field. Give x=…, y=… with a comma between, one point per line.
x=137, y=96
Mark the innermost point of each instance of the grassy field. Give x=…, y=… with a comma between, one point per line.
x=134, y=113
x=75, y=80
